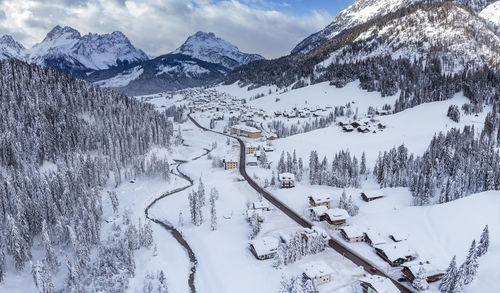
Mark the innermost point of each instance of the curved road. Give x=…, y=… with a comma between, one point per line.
x=175, y=233
x=335, y=244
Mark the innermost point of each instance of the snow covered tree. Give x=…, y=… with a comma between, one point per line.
x=50, y=255
x=42, y=279
x=285, y=284
x=450, y=283
x=470, y=266
x=147, y=235
x=2, y=260
x=72, y=283
x=281, y=164
x=181, y=220
x=263, y=160
x=362, y=167
x=254, y=226
x=454, y=113
x=308, y=286
x=484, y=242
x=300, y=171
x=279, y=257
x=195, y=208
x=420, y=281
x=214, y=193
x=201, y=193
x=273, y=179
x=163, y=286
x=114, y=201
x=297, y=285
x=213, y=212
x=17, y=245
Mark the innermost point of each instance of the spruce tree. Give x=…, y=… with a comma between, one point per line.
x=451, y=277
x=470, y=266
x=420, y=281
x=484, y=242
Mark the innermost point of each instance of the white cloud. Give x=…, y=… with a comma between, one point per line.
x=160, y=26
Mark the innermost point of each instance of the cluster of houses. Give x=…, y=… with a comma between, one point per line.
x=392, y=249
x=305, y=112
x=362, y=126
x=257, y=209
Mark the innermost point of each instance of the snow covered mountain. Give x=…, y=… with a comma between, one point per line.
x=65, y=49
x=163, y=73
x=492, y=15
x=364, y=10
x=209, y=48
x=11, y=49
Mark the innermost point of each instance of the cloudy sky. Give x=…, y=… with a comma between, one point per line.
x=267, y=27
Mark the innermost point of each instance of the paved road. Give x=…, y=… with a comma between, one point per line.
x=336, y=245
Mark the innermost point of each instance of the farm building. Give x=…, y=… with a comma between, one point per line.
x=258, y=213
x=318, y=272
x=271, y=136
x=247, y=131
x=287, y=180
x=268, y=148
x=352, y=234
x=371, y=195
x=395, y=253
x=265, y=247
x=335, y=217
x=320, y=200
x=230, y=163
x=433, y=274
x=374, y=238
x=377, y=284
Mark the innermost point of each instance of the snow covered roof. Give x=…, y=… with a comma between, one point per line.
x=353, y=231
x=261, y=205
x=319, y=210
x=286, y=176
x=380, y=284
x=320, y=198
x=251, y=159
x=375, y=237
x=338, y=214
x=316, y=269
x=397, y=236
x=373, y=193
x=230, y=159
x=429, y=268
x=394, y=251
x=258, y=213
x=246, y=128
x=265, y=245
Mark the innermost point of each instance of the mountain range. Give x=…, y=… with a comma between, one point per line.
x=110, y=60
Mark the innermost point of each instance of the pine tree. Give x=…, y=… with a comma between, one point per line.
x=362, y=167
x=214, y=193
x=254, y=226
x=2, y=260
x=147, y=235
x=449, y=281
x=279, y=257
x=470, y=266
x=42, y=278
x=72, y=283
x=420, y=281
x=297, y=286
x=285, y=285
x=162, y=287
x=181, y=220
x=308, y=286
x=213, y=212
x=273, y=179
x=484, y=242
x=50, y=255
x=201, y=193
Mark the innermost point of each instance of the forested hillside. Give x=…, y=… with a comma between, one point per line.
x=61, y=141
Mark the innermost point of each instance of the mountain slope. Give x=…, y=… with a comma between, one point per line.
x=492, y=15
x=11, y=49
x=364, y=10
x=163, y=73
x=66, y=50
x=209, y=48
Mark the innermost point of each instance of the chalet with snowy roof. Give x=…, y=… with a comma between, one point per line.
x=230, y=163
x=287, y=180
x=268, y=148
x=246, y=131
x=318, y=272
x=261, y=205
x=377, y=284
x=411, y=269
x=374, y=238
x=371, y=195
x=347, y=128
x=398, y=237
x=352, y=234
x=251, y=161
x=265, y=247
x=335, y=217
x=271, y=136
x=314, y=231
x=316, y=213
x=395, y=253
x=320, y=200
